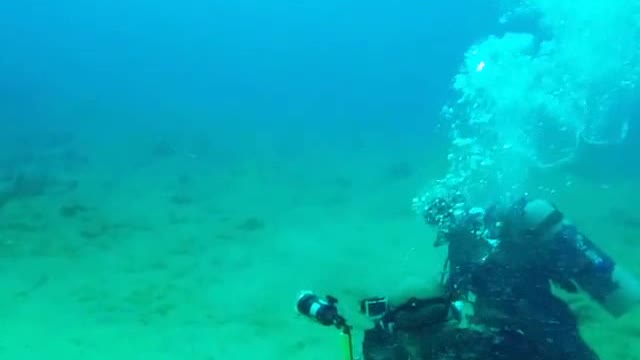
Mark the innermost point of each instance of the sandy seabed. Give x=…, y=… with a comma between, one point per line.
x=175, y=256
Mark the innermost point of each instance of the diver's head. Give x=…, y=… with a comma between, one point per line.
x=535, y=211
x=536, y=219
x=616, y=289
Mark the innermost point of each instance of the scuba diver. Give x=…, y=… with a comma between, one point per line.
x=497, y=300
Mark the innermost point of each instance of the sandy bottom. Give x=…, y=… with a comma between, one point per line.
x=176, y=257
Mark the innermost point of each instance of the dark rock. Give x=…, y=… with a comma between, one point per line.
x=29, y=186
x=625, y=217
x=400, y=171
x=251, y=224
x=71, y=211
x=163, y=149
x=344, y=183
x=180, y=199
x=225, y=237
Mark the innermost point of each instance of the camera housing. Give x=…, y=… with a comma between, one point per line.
x=374, y=307
x=323, y=311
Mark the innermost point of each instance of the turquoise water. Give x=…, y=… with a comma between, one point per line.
x=172, y=175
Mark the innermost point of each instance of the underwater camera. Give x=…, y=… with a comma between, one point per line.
x=324, y=311
x=374, y=307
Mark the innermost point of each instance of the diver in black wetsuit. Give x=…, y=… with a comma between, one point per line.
x=498, y=301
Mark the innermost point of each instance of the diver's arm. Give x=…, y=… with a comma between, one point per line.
x=595, y=272
x=579, y=259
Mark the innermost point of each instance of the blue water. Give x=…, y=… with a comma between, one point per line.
x=265, y=62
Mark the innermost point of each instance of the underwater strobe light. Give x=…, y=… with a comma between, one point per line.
x=325, y=312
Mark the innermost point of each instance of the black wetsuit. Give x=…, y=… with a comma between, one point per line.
x=523, y=320
x=516, y=313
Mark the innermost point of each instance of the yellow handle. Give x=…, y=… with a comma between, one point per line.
x=348, y=346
